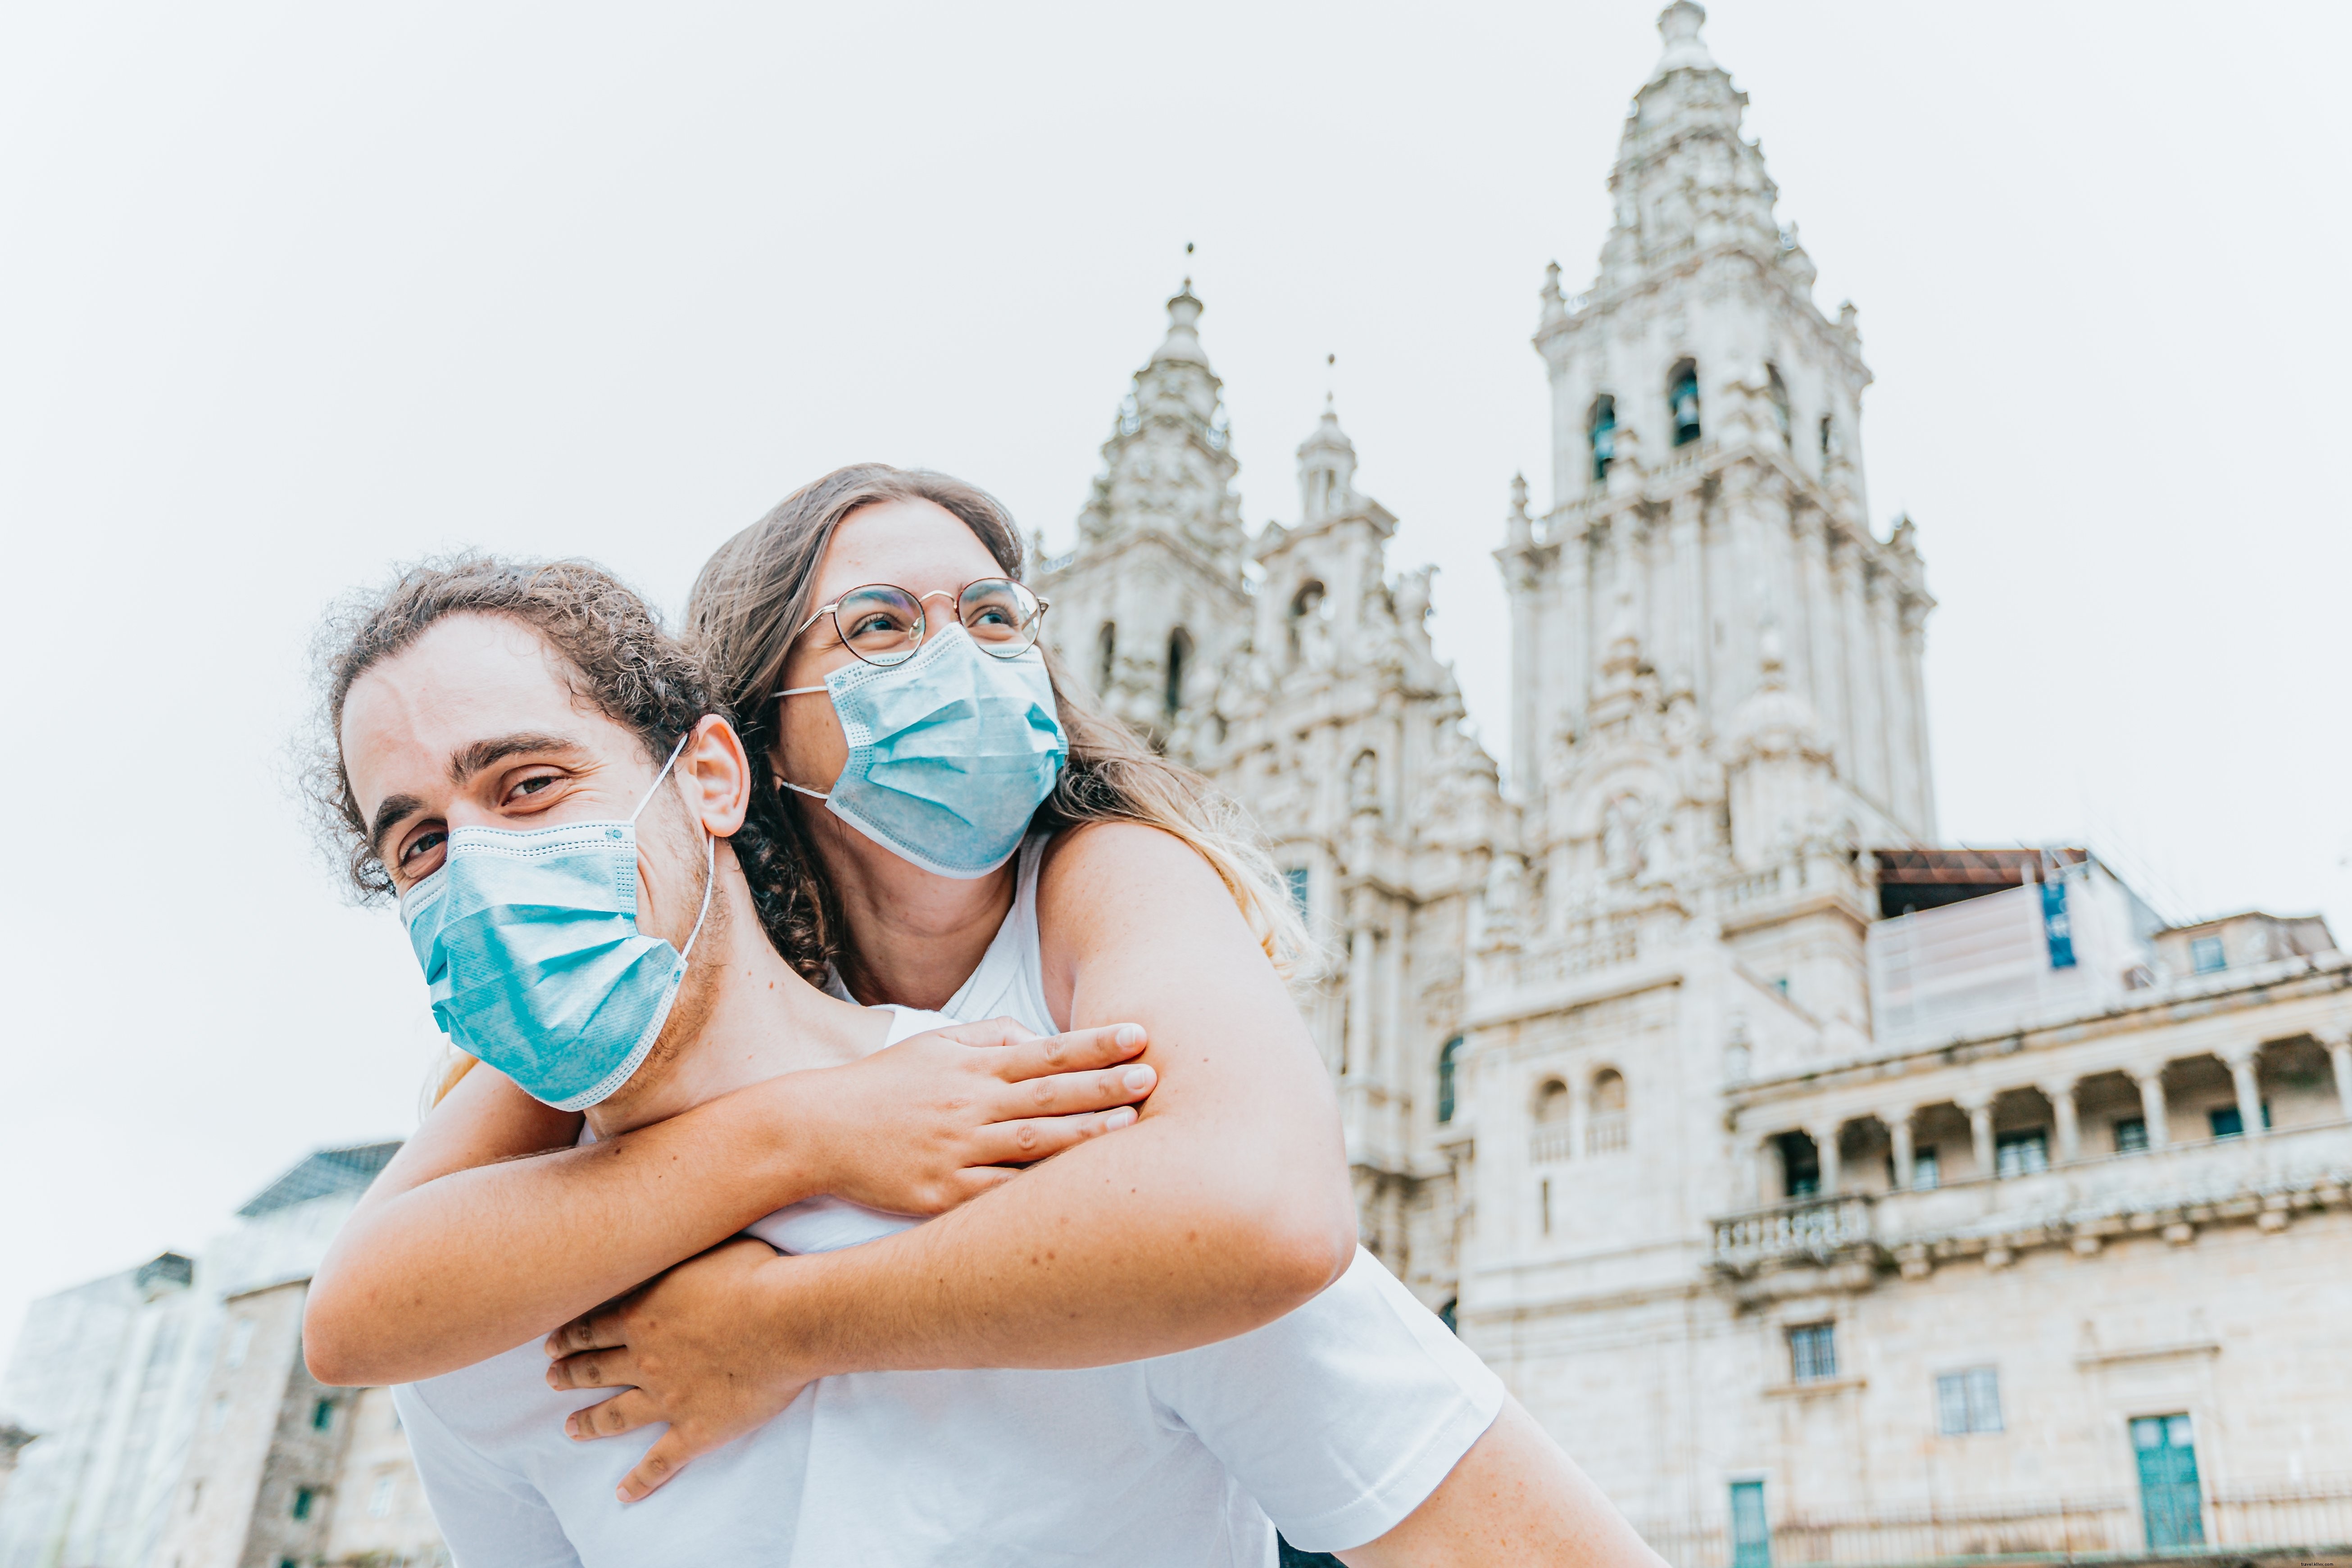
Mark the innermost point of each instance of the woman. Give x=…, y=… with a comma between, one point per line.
x=1214, y=1214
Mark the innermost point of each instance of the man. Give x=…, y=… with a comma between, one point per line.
x=518, y=729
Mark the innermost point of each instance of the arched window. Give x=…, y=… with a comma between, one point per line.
x=1179, y=664
x=1601, y=428
x=1605, y=1125
x=1106, y=656
x=1551, y=1101
x=1780, y=393
x=1829, y=436
x=1682, y=401
x=1446, y=1057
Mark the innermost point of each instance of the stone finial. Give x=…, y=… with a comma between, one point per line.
x=1183, y=342
x=1679, y=24
x=1518, y=527
x=1327, y=469
x=1555, y=306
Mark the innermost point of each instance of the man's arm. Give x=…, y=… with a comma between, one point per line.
x=1225, y=1206
x=462, y=1248
x=1515, y=1498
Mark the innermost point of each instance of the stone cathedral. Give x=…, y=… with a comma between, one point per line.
x=1832, y=1194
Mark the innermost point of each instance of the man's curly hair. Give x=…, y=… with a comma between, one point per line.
x=617, y=657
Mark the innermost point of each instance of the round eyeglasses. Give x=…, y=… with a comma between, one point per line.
x=885, y=625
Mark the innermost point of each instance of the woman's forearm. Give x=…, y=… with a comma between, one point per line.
x=468, y=1263
x=1120, y=1250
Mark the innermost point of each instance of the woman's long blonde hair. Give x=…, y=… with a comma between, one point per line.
x=748, y=604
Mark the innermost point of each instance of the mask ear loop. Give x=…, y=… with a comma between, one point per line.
x=801, y=692
x=710, y=848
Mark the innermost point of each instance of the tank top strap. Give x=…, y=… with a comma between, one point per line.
x=1010, y=980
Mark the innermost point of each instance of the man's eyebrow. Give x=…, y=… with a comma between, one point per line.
x=468, y=761
x=388, y=815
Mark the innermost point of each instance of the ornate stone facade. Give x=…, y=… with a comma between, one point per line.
x=1831, y=1194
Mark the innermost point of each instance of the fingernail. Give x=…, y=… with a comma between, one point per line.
x=1140, y=1077
x=1117, y=1119
x=1129, y=1034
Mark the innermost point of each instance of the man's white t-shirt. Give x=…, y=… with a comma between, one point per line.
x=1334, y=1422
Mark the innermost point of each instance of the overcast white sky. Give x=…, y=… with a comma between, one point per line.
x=291, y=292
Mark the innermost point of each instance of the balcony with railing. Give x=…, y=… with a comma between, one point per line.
x=2264, y=1179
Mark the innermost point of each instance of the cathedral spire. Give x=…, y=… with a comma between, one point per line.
x=1167, y=467
x=1327, y=469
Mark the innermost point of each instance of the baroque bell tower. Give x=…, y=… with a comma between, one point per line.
x=1150, y=604
x=1708, y=538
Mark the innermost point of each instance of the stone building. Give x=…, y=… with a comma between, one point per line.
x=163, y=1419
x=1879, y=1200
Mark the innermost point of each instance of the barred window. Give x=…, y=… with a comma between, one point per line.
x=1968, y=1402
x=1813, y=1351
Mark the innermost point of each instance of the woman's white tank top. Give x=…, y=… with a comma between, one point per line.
x=1011, y=980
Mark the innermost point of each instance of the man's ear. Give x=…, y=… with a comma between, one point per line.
x=716, y=775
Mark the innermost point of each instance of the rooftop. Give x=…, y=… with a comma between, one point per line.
x=322, y=1174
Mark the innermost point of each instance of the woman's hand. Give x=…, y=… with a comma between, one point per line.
x=940, y=1118
x=687, y=1354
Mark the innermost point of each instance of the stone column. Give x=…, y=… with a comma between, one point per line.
x=1358, y=1065
x=2339, y=1055
x=1923, y=772
x=1763, y=1166
x=1573, y=625
x=1527, y=708
x=2241, y=1062
x=2151, y=1104
x=1898, y=1132
x=1580, y=1095
x=1824, y=667
x=1979, y=1110
x=1825, y=1142
x=1902, y=765
x=2061, y=1093
x=1693, y=638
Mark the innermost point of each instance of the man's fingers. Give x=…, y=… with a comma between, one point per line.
x=594, y=1369
x=1033, y=1139
x=624, y=1412
x=1076, y=1051
x=668, y=1456
x=596, y=1330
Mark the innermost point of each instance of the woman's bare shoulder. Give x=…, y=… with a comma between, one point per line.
x=1097, y=858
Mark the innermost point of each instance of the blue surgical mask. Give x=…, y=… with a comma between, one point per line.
x=951, y=754
x=530, y=942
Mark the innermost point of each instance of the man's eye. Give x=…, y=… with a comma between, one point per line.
x=423, y=844
x=534, y=785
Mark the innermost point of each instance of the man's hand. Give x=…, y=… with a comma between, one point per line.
x=940, y=1118
x=677, y=1348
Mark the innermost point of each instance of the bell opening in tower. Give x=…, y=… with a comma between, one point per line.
x=1601, y=427
x=1682, y=401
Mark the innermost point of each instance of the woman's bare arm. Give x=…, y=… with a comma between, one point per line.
x=488, y=1227
x=1225, y=1206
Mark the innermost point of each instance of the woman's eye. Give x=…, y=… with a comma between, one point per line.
x=992, y=618
x=865, y=625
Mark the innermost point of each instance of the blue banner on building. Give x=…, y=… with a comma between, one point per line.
x=2056, y=927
